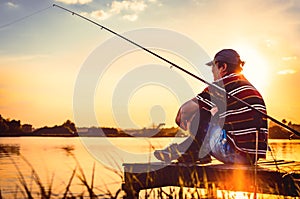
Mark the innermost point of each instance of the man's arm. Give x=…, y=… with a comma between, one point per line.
x=186, y=113
x=188, y=110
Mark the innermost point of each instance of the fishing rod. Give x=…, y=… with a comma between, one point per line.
x=182, y=69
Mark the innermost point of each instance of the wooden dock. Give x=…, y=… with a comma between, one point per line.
x=269, y=177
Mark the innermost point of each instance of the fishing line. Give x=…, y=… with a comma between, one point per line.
x=24, y=17
x=182, y=69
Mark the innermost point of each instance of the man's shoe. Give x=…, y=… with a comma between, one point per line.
x=193, y=157
x=168, y=154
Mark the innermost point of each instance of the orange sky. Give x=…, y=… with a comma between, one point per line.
x=42, y=55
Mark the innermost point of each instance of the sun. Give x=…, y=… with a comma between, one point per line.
x=256, y=66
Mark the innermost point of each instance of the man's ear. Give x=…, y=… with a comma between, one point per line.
x=224, y=68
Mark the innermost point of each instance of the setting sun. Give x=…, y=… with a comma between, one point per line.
x=256, y=67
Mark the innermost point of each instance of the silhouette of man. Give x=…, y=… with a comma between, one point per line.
x=219, y=125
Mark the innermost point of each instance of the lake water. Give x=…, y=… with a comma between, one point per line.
x=53, y=160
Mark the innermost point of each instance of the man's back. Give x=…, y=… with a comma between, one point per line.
x=242, y=122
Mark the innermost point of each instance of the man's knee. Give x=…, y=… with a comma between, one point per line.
x=200, y=122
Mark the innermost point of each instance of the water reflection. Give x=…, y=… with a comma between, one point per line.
x=68, y=149
x=285, y=149
x=7, y=150
x=56, y=156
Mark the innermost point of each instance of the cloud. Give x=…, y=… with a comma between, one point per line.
x=290, y=58
x=128, y=9
x=286, y=72
x=135, y=6
x=99, y=14
x=74, y=1
x=11, y=5
x=23, y=57
x=130, y=17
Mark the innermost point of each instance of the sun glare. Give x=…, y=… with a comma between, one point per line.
x=255, y=68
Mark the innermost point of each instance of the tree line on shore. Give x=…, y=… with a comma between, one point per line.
x=10, y=128
x=15, y=128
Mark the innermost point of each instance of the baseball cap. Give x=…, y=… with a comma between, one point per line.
x=229, y=56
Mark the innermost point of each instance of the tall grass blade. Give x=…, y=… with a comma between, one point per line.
x=37, y=179
x=20, y=176
x=69, y=183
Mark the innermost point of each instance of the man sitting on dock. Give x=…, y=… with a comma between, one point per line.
x=220, y=125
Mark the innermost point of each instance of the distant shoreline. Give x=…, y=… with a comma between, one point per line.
x=14, y=128
x=60, y=131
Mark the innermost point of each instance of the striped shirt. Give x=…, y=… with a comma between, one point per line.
x=240, y=122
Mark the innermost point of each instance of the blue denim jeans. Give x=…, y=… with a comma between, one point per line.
x=222, y=150
x=209, y=139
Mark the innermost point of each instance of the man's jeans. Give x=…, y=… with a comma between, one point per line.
x=222, y=150
x=211, y=140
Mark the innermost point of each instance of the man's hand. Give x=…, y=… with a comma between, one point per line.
x=184, y=125
x=214, y=110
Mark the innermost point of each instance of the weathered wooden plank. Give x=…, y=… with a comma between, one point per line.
x=226, y=177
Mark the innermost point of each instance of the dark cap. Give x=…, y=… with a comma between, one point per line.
x=229, y=56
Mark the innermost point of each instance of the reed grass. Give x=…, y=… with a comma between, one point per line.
x=45, y=190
